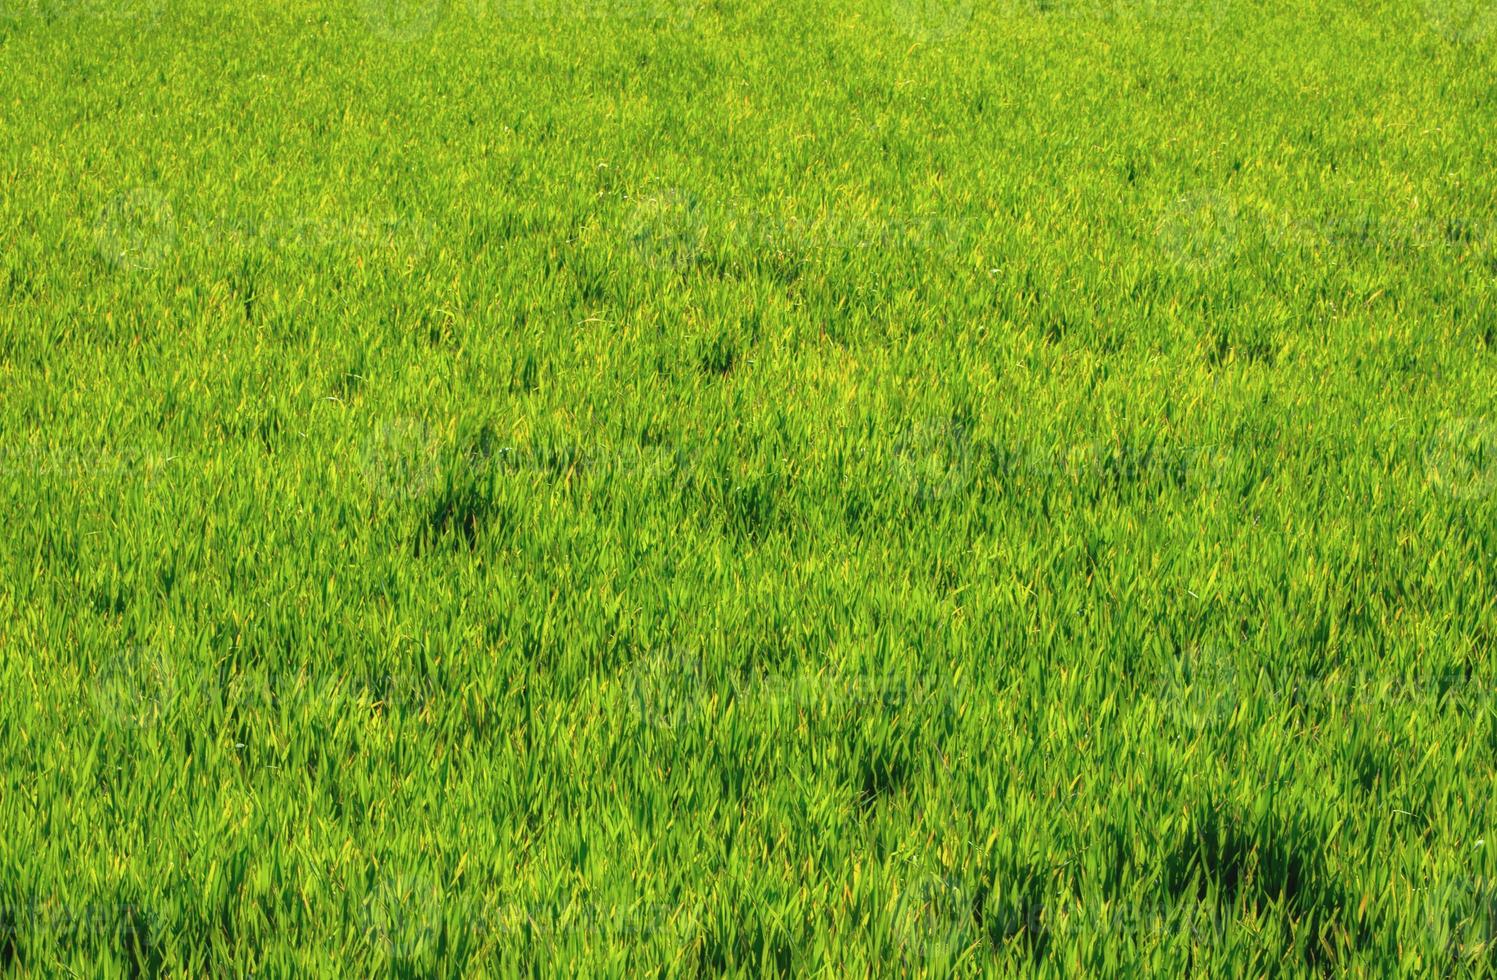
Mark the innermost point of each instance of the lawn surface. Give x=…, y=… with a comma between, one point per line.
x=700, y=486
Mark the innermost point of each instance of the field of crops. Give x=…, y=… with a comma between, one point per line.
x=687, y=487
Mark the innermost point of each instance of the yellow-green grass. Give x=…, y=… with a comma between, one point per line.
x=563, y=487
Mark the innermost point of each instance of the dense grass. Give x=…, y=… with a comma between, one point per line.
x=700, y=487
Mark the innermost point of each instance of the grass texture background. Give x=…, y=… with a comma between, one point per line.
x=700, y=486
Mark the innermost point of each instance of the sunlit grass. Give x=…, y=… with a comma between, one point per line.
x=853, y=488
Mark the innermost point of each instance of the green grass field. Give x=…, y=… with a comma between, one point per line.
x=696, y=487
